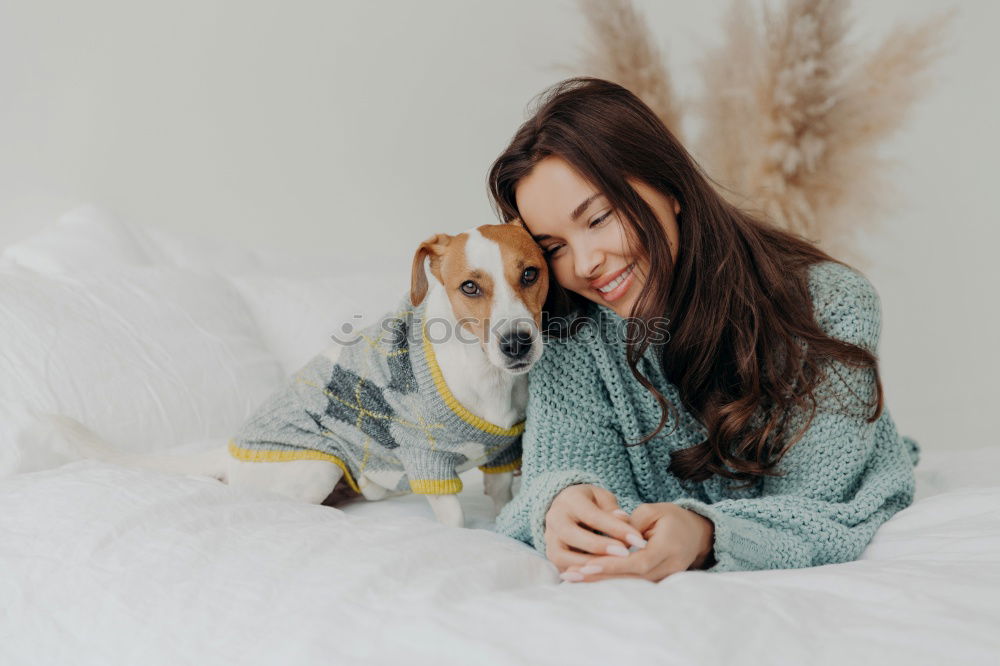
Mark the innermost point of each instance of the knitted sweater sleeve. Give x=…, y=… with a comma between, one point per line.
x=844, y=477
x=568, y=439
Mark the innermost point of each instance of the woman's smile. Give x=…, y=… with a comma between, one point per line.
x=615, y=286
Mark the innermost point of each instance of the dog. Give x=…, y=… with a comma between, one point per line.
x=433, y=388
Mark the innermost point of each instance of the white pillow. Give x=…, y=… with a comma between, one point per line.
x=91, y=238
x=154, y=338
x=146, y=356
x=298, y=317
x=85, y=238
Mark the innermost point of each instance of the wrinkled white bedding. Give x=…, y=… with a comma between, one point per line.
x=155, y=341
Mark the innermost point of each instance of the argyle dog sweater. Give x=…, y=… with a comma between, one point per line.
x=382, y=412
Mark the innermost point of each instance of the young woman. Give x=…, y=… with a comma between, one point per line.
x=709, y=392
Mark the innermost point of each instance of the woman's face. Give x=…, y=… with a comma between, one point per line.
x=584, y=240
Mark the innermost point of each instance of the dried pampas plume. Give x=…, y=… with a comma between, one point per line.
x=793, y=114
x=796, y=117
x=620, y=48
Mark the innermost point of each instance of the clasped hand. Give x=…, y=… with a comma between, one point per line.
x=587, y=537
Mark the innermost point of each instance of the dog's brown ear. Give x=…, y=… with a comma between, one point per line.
x=433, y=247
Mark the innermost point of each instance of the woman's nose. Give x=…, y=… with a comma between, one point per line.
x=588, y=262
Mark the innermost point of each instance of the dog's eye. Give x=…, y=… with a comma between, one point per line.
x=529, y=275
x=470, y=288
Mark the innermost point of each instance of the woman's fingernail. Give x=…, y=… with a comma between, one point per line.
x=591, y=569
x=636, y=541
x=621, y=513
x=571, y=576
x=618, y=549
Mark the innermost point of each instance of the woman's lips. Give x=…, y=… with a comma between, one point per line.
x=605, y=281
x=623, y=286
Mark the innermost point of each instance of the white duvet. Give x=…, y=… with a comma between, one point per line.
x=154, y=341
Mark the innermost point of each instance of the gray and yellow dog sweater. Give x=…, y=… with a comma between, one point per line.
x=382, y=412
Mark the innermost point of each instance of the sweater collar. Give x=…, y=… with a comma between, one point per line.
x=430, y=378
x=612, y=328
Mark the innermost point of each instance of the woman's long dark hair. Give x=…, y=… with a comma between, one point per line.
x=745, y=350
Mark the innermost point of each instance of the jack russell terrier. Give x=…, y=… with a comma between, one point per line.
x=433, y=388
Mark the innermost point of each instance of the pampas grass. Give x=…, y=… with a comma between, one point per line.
x=786, y=88
x=806, y=115
x=620, y=48
x=794, y=114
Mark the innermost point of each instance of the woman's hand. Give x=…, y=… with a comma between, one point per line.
x=678, y=540
x=576, y=511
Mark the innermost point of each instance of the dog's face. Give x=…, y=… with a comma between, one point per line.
x=496, y=280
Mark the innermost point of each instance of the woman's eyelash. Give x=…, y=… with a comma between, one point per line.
x=548, y=252
x=600, y=219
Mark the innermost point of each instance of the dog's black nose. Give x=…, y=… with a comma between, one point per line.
x=515, y=345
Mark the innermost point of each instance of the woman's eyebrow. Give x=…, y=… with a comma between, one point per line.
x=578, y=211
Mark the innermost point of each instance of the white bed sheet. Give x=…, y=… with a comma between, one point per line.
x=100, y=564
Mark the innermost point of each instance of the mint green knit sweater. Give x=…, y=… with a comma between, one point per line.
x=843, y=479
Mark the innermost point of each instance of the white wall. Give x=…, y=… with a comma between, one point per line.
x=359, y=128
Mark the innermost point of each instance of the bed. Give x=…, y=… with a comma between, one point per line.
x=159, y=341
